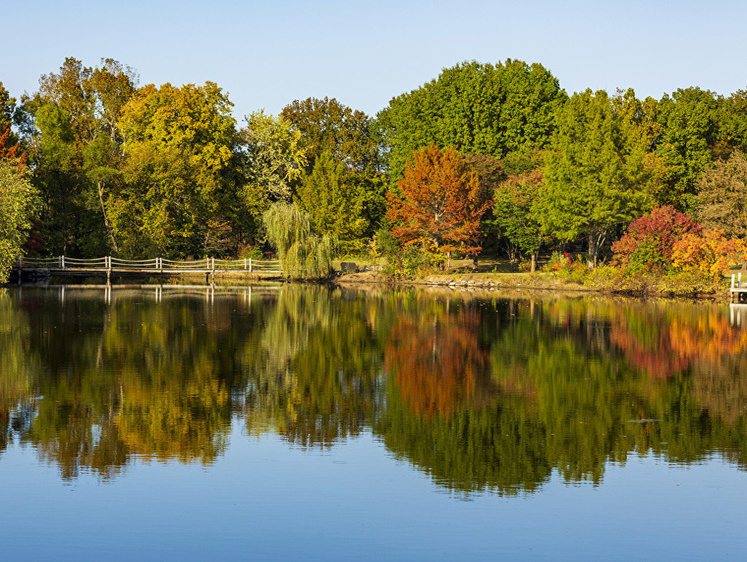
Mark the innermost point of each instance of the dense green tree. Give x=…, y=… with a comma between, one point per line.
x=326, y=125
x=179, y=152
x=600, y=174
x=515, y=215
x=335, y=202
x=18, y=199
x=78, y=153
x=353, y=139
x=722, y=196
x=273, y=161
x=689, y=132
x=475, y=108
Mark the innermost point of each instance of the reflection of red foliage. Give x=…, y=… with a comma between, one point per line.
x=437, y=362
x=659, y=361
x=679, y=343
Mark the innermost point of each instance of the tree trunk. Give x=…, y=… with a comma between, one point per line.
x=100, y=186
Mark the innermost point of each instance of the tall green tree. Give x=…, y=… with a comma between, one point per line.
x=600, y=174
x=273, y=160
x=353, y=138
x=475, y=108
x=17, y=201
x=179, y=151
x=78, y=153
x=335, y=202
x=689, y=134
x=326, y=125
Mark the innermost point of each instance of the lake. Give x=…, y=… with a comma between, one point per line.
x=305, y=422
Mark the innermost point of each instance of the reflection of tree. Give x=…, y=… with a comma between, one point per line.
x=314, y=375
x=495, y=447
x=437, y=361
x=130, y=379
x=481, y=395
x=665, y=343
x=444, y=412
x=16, y=367
x=562, y=396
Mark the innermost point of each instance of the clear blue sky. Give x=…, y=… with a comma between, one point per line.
x=266, y=54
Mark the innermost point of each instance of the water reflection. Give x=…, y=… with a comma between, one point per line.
x=482, y=394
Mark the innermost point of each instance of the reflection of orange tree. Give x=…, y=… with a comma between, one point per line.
x=438, y=363
x=664, y=345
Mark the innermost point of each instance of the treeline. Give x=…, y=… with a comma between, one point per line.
x=484, y=157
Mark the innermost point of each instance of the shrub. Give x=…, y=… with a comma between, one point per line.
x=709, y=253
x=649, y=241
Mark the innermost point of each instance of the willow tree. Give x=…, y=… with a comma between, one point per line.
x=301, y=254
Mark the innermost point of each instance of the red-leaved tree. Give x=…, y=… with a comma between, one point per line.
x=441, y=203
x=650, y=239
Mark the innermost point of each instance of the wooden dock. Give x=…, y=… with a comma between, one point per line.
x=738, y=289
x=109, y=266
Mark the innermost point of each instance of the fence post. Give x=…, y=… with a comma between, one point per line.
x=62, y=260
x=250, y=265
x=244, y=263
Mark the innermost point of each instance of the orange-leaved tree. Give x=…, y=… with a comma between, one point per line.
x=441, y=203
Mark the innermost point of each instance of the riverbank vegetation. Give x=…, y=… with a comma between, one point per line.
x=484, y=161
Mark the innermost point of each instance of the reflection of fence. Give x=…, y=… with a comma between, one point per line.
x=738, y=315
x=157, y=266
x=161, y=292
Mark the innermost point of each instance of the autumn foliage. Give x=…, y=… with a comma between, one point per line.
x=441, y=203
x=650, y=239
x=709, y=253
x=668, y=347
x=438, y=366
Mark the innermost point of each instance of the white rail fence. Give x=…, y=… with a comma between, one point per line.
x=156, y=265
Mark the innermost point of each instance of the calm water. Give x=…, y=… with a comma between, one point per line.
x=303, y=422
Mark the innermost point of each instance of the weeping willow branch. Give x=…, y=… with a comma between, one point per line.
x=302, y=255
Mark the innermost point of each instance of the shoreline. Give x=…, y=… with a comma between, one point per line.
x=496, y=282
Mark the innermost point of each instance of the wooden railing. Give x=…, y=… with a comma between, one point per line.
x=157, y=265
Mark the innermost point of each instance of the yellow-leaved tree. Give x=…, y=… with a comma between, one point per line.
x=178, y=147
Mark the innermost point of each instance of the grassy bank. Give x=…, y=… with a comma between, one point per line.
x=501, y=274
